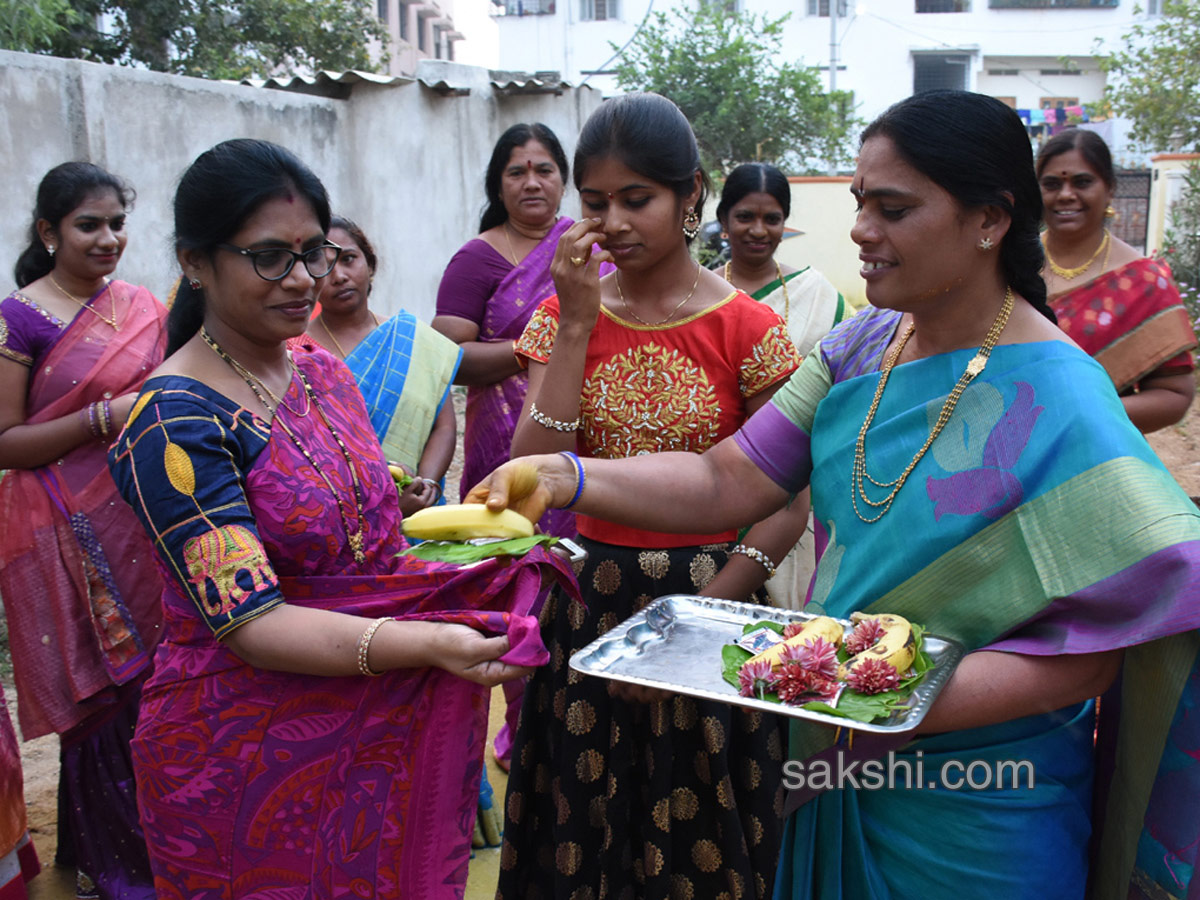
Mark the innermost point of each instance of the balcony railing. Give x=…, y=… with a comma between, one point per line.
x=1053, y=4
x=523, y=8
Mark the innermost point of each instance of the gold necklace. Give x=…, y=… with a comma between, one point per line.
x=354, y=536
x=336, y=342
x=83, y=304
x=670, y=315
x=787, y=303
x=974, y=368
x=508, y=240
x=1073, y=273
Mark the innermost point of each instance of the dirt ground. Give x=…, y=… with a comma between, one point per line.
x=1177, y=446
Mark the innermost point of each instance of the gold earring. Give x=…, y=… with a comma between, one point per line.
x=691, y=224
x=985, y=243
x=1111, y=213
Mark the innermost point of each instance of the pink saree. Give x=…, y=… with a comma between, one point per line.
x=78, y=579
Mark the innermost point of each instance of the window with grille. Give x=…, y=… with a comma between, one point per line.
x=599, y=10
x=1053, y=4
x=1058, y=102
x=940, y=71
x=821, y=7
x=943, y=6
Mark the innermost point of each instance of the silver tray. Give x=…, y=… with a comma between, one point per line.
x=675, y=642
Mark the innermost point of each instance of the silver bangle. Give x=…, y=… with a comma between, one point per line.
x=554, y=424
x=433, y=484
x=758, y=556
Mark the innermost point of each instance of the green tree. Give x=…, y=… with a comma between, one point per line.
x=31, y=25
x=231, y=39
x=1154, y=78
x=721, y=68
x=1181, y=242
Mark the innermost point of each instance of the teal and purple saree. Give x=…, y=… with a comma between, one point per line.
x=1039, y=522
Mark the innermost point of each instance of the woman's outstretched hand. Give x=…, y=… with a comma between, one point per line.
x=529, y=485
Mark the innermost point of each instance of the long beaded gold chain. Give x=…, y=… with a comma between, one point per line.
x=354, y=536
x=977, y=364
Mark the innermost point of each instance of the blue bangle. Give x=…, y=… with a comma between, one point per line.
x=580, y=477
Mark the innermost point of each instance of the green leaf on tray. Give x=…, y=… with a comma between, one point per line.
x=461, y=553
x=852, y=704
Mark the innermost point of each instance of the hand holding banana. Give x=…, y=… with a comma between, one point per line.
x=529, y=485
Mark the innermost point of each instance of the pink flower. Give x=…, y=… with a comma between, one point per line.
x=756, y=679
x=867, y=633
x=797, y=685
x=816, y=654
x=873, y=676
x=792, y=629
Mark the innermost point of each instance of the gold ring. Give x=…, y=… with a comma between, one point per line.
x=577, y=261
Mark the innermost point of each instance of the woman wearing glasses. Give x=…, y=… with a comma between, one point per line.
x=80, y=591
x=268, y=758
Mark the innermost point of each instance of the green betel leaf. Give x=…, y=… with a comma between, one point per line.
x=461, y=553
x=732, y=659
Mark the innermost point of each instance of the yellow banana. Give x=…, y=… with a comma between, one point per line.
x=399, y=475
x=822, y=626
x=464, y=521
x=897, y=646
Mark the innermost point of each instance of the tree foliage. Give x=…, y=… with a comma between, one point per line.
x=1157, y=78
x=30, y=25
x=231, y=39
x=721, y=68
x=1181, y=242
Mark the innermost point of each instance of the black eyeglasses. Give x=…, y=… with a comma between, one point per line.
x=274, y=263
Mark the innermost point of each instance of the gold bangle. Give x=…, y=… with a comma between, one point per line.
x=364, y=646
x=758, y=556
x=553, y=424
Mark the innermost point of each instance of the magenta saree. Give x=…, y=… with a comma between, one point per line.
x=493, y=409
x=257, y=783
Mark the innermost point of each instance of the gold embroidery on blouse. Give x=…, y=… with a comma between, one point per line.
x=775, y=353
x=649, y=399
x=219, y=556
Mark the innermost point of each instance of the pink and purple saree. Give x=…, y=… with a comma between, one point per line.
x=257, y=783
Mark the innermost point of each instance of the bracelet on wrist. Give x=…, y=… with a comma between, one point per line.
x=364, y=646
x=433, y=483
x=553, y=424
x=580, y=476
x=758, y=556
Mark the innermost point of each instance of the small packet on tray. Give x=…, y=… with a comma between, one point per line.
x=759, y=639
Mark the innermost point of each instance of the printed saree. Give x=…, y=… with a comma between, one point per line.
x=265, y=783
x=1048, y=526
x=404, y=369
x=78, y=580
x=1130, y=320
x=493, y=409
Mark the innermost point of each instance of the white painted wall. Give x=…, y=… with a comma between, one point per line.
x=403, y=160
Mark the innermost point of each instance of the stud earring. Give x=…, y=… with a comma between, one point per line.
x=985, y=243
x=691, y=224
x=1111, y=213
x=50, y=249
x=195, y=284
x=724, y=235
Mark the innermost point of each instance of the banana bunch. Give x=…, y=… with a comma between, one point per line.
x=464, y=522
x=822, y=626
x=897, y=645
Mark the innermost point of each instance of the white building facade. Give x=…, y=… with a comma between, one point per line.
x=1033, y=54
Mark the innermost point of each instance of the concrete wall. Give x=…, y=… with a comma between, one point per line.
x=823, y=209
x=406, y=161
